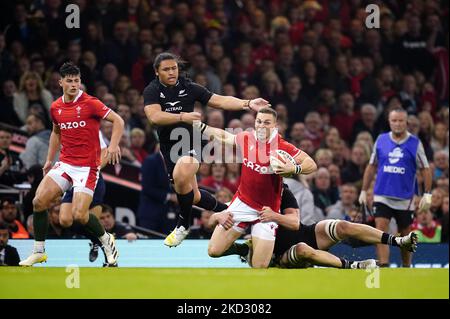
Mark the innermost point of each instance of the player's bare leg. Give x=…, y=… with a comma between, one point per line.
x=221, y=240
x=382, y=224
x=329, y=232
x=65, y=215
x=47, y=191
x=80, y=210
x=262, y=252
x=302, y=255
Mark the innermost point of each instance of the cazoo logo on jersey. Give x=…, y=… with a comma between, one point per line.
x=257, y=167
x=69, y=125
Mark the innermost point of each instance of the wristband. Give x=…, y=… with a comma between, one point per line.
x=298, y=169
x=203, y=127
x=247, y=105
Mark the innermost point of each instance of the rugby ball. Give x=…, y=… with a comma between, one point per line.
x=279, y=158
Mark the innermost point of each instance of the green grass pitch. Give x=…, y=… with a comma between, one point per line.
x=218, y=283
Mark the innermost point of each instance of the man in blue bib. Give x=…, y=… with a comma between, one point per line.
x=395, y=159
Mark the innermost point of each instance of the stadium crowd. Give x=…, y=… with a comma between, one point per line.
x=331, y=79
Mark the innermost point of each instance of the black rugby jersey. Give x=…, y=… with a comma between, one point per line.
x=175, y=99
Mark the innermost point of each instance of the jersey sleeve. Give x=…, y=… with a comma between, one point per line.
x=99, y=109
x=421, y=157
x=200, y=93
x=289, y=148
x=52, y=113
x=288, y=199
x=373, y=157
x=151, y=95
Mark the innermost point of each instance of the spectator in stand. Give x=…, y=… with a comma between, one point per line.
x=437, y=199
x=12, y=170
x=346, y=203
x=298, y=106
x=127, y=153
x=427, y=229
x=137, y=139
x=124, y=111
x=8, y=254
x=323, y=157
x=440, y=165
x=36, y=149
x=118, y=229
x=142, y=71
x=248, y=121
x=9, y=217
x=52, y=85
x=335, y=175
x=366, y=122
x=426, y=131
x=309, y=214
x=234, y=172
x=204, y=230
x=297, y=133
x=439, y=140
x=332, y=138
x=55, y=229
x=324, y=194
x=346, y=117
x=314, y=131
x=123, y=83
x=7, y=113
x=110, y=74
x=408, y=94
x=203, y=171
x=218, y=178
x=121, y=51
x=410, y=51
x=31, y=92
x=224, y=195
x=307, y=146
x=353, y=172
x=311, y=82
x=361, y=84
x=366, y=139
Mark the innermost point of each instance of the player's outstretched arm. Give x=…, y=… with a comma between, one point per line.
x=157, y=116
x=304, y=165
x=289, y=219
x=307, y=164
x=224, y=218
x=231, y=103
x=113, y=151
x=217, y=133
x=53, y=147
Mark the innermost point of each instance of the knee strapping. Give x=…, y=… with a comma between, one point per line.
x=331, y=230
x=292, y=255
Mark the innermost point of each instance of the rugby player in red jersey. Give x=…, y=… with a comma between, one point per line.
x=260, y=186
x=76, y=120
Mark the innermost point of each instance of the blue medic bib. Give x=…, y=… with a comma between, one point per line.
x=396, y=175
